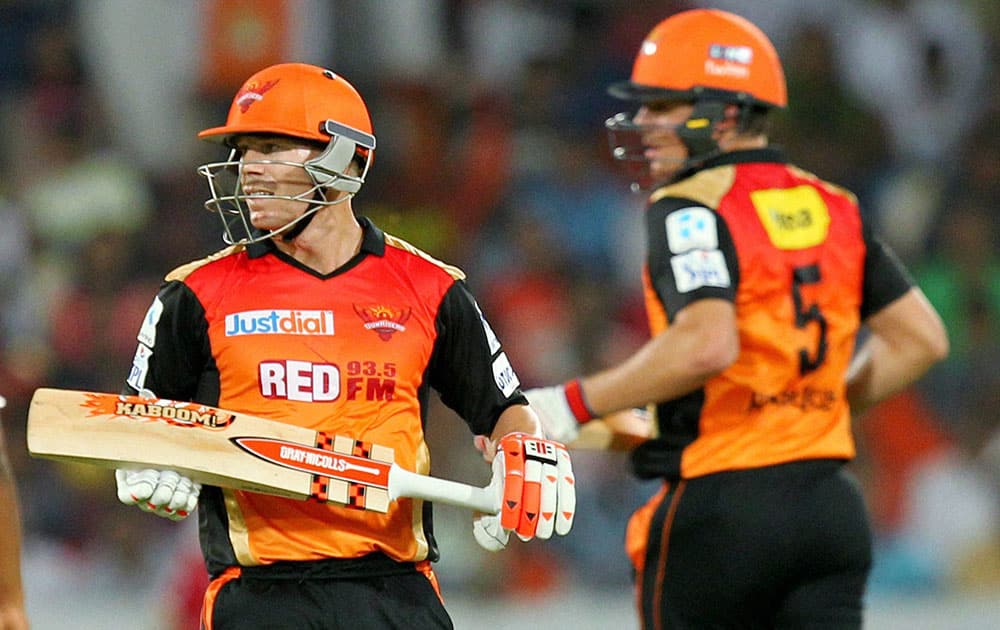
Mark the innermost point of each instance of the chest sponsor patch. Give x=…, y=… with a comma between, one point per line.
x=794, y=218
x=691, y=228
x=700, y=268
x=279, y=322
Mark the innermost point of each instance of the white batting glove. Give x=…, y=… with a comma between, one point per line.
x=539, y=492
x=486, y=528
x=164, y=493
x=488, y=533
x=561, y=409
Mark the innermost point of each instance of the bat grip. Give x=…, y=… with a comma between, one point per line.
x=403, y=483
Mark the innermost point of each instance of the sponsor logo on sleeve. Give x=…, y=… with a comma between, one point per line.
x=503, y=374
x=691, y=228
x=491, y=337
x=147, y=332
x=140, y=367
x=700, y=268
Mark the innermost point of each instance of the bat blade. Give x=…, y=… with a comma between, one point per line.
x=226, y=448
x=113, y=431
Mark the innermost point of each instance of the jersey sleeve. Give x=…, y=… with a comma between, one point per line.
x=173, y=346
x=691, y=253
x=886, y=278
x=468, y=367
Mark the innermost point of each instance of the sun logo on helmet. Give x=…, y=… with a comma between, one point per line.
x=251, y=93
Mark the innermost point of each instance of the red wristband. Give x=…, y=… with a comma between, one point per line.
x=577, y=404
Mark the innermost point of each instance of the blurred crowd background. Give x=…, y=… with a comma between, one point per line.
x=491, y=155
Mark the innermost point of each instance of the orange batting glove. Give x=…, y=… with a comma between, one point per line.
x=539, y=491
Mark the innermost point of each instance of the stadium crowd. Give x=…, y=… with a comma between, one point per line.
x=489, y=117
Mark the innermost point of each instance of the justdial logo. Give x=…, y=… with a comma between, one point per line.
x=279, y=322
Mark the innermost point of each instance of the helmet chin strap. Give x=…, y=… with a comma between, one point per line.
x=297, y=229
x=300, y=227
x=696, y=132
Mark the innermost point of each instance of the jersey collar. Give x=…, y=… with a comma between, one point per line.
x=373, y=239
x=765, y=154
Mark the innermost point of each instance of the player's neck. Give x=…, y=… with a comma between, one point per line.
x=332, y=238
x=742, y=142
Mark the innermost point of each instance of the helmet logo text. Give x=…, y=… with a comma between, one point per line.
x=729, y=61
x=735, y=54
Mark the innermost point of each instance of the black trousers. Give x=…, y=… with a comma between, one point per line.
x=388, y=602
x=785, y=546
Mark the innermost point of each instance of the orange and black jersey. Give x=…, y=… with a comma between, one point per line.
x=803, y=271
x=353, y=353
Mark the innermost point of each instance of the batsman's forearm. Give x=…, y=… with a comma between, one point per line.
x=667, y=367
x=878, y=371
x=517, y=419
x=701, y=342
x=907, y=338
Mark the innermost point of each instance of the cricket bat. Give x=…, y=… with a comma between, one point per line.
x=232, y=450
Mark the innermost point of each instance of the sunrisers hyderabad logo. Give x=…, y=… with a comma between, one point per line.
x=251, y=93
x=172, y=412
x=384, y=320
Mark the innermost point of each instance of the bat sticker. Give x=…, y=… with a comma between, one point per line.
x=169, y=411
x=316, y=461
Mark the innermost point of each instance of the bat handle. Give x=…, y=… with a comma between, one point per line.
x=403, y=483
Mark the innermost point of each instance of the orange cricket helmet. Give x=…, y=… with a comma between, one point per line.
x=293, y=99
x=710, y=58
x=706, y=54
x=300, y=101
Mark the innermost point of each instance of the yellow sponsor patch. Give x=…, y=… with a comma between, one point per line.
x=795, y=218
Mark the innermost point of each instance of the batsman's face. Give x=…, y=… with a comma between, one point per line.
x=270, y=171
x=663, y=147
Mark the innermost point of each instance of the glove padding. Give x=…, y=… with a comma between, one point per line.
x=486, y=527
x=559, y=420
x=539, y=491
x=164, y=493
x=488, y=533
